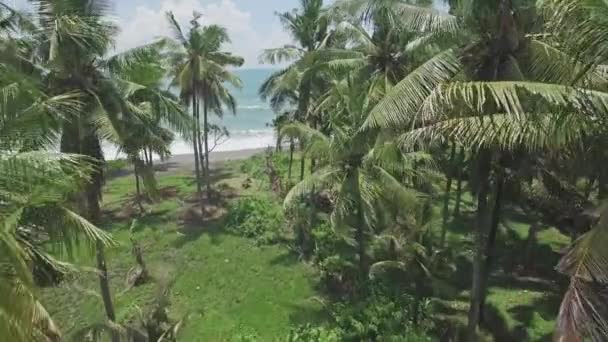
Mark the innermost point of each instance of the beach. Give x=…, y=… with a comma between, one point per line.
x=186, y=161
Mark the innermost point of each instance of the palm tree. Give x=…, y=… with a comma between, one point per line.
x=139, y=74
x=71, y=42
x=493, y=110
x=216, y=95
x=382, y=54
x=200, y=72
x=355, y=163
x=35, y=184
x=309, y=28
x=281, y=90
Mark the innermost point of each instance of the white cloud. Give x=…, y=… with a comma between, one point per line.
x=147, y=23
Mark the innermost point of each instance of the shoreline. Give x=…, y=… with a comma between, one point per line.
x=186, y=161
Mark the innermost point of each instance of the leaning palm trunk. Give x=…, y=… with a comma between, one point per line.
x=199, y=143
x=137, y=187
x=195, y=134
x=206, y=138
x=484, y=163
x=89, y=145
x=151, y=160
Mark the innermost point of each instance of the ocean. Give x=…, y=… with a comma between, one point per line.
x=249, y=128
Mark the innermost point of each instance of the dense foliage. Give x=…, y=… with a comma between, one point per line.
x=257, y=218
x=387, y=104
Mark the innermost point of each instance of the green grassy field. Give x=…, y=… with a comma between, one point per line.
x=227, y=285
x=231, y=288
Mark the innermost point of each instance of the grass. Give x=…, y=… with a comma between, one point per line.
x=230, y=287
x=226, y=284
x=522, y=306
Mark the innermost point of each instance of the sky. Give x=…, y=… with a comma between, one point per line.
x=251, y=24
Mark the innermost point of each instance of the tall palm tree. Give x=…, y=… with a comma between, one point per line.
x=35, y=184
x=200, y=72
x=363, y=169
x=216, y=95
x=281, y=90
x=377, y=47
x=72, y=39
x=139, y=74
x=309, y=27
x=494, y=110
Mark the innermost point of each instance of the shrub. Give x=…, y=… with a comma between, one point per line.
x=379, y=318
x=309, y=333
x=115, y=167
x=258, y=218
x=246, y=337
x=255, y=166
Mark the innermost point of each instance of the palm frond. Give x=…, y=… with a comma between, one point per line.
x=581, y=314
x=286, y=53
x=532, y=132
x=509, y=97
x=402, y=102
x=321, y=179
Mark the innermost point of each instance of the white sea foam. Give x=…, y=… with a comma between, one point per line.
x=255, y=107
x=238, y=140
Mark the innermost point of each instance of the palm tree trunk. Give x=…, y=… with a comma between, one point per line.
x=151, y=162
x=459, y=183
x=199, y=142
x=490, y=250
x=201, y=153
x=446, y=198
x=104, y=284
x=199, y=187
x=484, y=163
x=146, y=156
x=313, y=161
x=360, y=234
x=278, y=147
x=602, y=184
x=417, y=300
x=206, y=137
x=530, y=244
x=291, y=149
x=137, y=188
x=302, y=162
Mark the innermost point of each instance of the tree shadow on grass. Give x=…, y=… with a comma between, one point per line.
x=287, y=258
x=128, y=170
x=195, y=221
x=312, y=311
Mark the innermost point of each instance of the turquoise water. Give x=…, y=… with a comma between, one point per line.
x=250, y=127
x=253, y=113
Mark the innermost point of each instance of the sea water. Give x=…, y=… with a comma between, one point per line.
x=250, y=128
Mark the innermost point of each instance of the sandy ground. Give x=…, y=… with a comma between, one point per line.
x=186, y=161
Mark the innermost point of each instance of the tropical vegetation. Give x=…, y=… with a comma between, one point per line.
x=450, y=155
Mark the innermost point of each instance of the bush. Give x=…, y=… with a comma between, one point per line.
x=255, y=167
x=115, y=167
x=309, y=333
x=258, y=218
x=246, y=337
x=379, y=318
